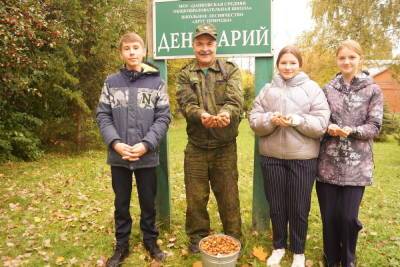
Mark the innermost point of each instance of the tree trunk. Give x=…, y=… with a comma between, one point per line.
x=78, y=134
x=149, y=29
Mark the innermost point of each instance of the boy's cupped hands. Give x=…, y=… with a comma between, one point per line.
x=131, y=153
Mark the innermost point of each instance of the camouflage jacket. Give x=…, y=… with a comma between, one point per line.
x=134, y=108
x=219, y=90
x=349, y=161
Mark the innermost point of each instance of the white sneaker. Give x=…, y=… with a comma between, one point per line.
x=276, y=257
x=299, y=260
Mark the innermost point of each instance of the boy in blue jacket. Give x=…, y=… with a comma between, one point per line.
x=133, y=116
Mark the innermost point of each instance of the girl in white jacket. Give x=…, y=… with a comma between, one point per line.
x=289, y=116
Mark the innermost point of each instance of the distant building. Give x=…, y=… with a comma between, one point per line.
x=383, y=76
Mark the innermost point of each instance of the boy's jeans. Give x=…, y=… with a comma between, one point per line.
x=146, y=182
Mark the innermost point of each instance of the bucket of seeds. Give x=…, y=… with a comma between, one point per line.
x=219, y=250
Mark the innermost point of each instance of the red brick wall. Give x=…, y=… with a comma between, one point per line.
x=390, y=88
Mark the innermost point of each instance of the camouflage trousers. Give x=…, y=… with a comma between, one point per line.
x=218, y=168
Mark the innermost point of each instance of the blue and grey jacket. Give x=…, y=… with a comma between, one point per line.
x=134, y=108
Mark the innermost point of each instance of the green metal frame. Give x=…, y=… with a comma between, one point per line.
x=163, y=199
x=260, y=207
x=260, y=213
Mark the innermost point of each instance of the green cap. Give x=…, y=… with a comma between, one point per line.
x=206, y=28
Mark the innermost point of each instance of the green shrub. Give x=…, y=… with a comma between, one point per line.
x=390, y=125
x=18, y=138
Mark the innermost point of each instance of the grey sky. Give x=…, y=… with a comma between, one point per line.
x=289, y=19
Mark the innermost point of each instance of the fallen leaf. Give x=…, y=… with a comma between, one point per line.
x=197, y=264
x=169, y=253
x=309, y=263
x=159, y=242
x=184, y=252
x=60, y=260
x=155, y=263
x=101, y=261
x=259, y=253
x=13, y=206
x=245, y=265
x=47, y=243
x=63, y=237
x=58, y=214
x=42, y=253
x=73, y=261
x=172, y=240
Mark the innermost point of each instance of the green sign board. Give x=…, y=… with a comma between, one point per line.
x=244, y=26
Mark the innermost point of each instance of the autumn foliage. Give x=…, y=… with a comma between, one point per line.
x=55, y=56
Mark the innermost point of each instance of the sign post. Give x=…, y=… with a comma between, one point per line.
x=163, y=198
x=260, y=212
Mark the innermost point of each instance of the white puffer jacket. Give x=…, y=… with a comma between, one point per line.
x=299, y=98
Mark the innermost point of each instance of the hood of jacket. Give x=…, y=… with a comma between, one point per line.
x=297, y=80
x=359, y=82
x=147, y=69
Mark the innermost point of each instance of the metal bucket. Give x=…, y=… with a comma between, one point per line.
x=224, y=260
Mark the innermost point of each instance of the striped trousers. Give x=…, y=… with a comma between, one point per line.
x=288, y=185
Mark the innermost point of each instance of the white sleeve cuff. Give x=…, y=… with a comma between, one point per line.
x=295, y=120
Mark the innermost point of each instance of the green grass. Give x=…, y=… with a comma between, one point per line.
x=59, y=210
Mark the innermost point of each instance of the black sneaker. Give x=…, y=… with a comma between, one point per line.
x=194, y=248
x=120, y=253
x=155, y=251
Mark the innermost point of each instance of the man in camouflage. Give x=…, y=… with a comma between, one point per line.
x=210, y=97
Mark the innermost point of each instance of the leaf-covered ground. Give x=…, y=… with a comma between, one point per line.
x=59, y=211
